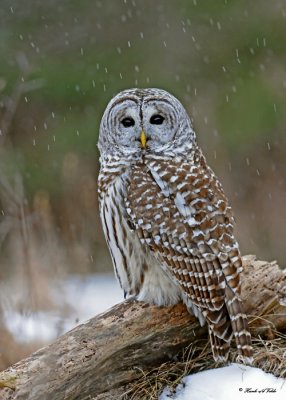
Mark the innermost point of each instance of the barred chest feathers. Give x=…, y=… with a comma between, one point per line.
x=139, y=273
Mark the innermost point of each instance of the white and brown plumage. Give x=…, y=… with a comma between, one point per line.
x=167, y=222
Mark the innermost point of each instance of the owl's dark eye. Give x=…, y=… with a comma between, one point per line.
x=127, y=122
x=156, y=119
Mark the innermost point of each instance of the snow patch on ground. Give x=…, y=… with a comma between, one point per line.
x=233, y=382
x=82, y=297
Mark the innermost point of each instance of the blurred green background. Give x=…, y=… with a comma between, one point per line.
x=61, y=62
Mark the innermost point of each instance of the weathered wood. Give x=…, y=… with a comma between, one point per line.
x=113, y=348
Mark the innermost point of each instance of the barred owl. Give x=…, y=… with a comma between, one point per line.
x=166, y=219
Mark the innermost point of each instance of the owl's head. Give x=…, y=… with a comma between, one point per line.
x=140, y=121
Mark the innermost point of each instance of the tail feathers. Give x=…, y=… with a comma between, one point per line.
x=239, y=324
x=224, y=324
x=220, y=347
x=220, y=332
x=219, y=323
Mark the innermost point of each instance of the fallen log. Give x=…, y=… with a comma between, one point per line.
x=97, y=359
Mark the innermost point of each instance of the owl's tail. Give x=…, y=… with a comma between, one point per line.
x=225, y=323
x=239, y=324
x=220, y=332
x=220, y=347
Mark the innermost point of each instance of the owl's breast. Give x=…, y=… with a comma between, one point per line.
x=125, y=248
x=137, y=269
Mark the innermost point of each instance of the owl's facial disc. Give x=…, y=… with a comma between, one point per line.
x=157, y=118
x=162, y=118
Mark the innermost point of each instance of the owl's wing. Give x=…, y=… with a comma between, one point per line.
x=180, y=212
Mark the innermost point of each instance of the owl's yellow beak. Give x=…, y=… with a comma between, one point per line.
x=143, y=140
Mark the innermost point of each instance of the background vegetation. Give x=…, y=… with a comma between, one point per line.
x=61, y=62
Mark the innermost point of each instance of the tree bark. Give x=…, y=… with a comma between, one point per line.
x=99, y=357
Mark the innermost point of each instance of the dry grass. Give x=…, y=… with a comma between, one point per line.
x=269, y=355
